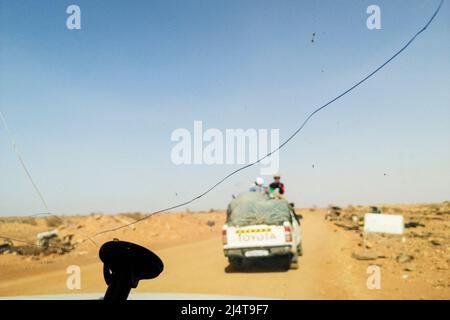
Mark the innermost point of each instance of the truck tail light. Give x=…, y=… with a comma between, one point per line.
x=288, y=233
x=224, y=236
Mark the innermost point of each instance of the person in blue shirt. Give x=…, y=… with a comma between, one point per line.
x=258, y=186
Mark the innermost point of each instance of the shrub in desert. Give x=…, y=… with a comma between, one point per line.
x=385, y=209
x=53, y=221
x=350, y=209
x=433, y=207
x=30, y=221
x=134, y=215
x=397, y=210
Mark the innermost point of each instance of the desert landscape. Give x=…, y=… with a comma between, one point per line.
x=335, y=263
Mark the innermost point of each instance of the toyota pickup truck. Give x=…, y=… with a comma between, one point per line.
x=258, y=227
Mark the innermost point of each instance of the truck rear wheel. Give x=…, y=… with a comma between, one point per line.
x=300, y=250
x=237, y=262
x=294, y=261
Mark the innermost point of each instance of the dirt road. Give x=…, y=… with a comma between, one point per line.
x=326, y=271
x=320, y=273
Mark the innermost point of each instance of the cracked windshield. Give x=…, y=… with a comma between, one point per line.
x=224, y=150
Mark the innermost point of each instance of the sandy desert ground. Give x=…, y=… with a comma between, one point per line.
x=334, y=265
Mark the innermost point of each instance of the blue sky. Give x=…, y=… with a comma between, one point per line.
x=92, y=110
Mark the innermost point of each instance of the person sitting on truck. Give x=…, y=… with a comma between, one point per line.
x=258, y=186
x=277, y=184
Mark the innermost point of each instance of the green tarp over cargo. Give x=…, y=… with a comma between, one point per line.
x=254, y=208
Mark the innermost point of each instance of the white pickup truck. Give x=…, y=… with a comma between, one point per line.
x=251, y=241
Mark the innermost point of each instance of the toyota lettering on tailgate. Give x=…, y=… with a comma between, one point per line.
x=256, y=236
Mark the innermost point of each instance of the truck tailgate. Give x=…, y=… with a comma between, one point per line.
x=255, y=236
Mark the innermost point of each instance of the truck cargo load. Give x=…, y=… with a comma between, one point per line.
x=253, y=208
